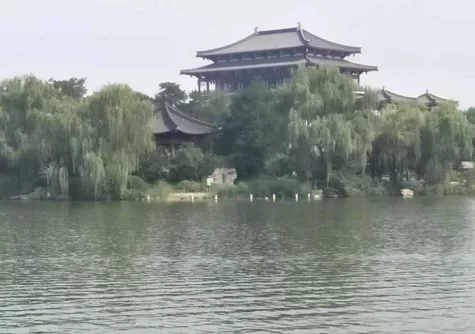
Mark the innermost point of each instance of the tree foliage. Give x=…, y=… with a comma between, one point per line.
x=319, y=127
x=73, y=87
x=82, y=148
x=170, y=93
x=250, y=133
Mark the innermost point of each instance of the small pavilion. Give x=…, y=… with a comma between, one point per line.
x=173, y=128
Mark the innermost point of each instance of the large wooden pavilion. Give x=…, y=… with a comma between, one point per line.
x=271, y=56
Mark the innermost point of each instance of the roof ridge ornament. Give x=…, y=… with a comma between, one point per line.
x=256, y=30
x=299, y=25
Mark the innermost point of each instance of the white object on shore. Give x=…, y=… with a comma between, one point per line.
x=251, y=197
x=192, y=198
x=407, y=193
x=216, y=197
x=296, y=197
x=309, y=196
x=266, y=198
x=148, y=198
x=273, y=197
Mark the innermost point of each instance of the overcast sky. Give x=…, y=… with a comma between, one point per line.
x=417, y=44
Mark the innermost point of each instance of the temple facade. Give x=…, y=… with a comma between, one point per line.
x=271, y=56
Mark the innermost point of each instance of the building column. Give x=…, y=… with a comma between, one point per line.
x=172, y=146
x=199, y=85
x=207, y=86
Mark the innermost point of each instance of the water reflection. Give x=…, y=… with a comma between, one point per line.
x=336, y=266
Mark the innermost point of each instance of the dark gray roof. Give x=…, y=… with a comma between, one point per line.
x=431, y=99
x=275, y=62
x=425, y=99
x=277, y=40
x=320, y=43
x=388, y=96
x=247, y=64
x=173, y=120
x=342, y=63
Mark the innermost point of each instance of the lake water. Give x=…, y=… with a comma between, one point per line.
x=331, y=266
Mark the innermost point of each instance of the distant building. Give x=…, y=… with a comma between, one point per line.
x=427, y=99
x=225, y=176
x=271, y=56
x=173, y=128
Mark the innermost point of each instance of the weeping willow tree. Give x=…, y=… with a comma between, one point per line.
x=117, y=139
x=84, y=148
x=446, y=140
x=324, y=123
x=396, y=149
x=331, y=135
x=22, y=100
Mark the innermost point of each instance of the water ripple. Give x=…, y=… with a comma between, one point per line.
x=327, y=267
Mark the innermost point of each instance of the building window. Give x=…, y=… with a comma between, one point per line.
x=259, y=55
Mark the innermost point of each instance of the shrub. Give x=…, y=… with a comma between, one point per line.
x=354, y=186
x=136, y=183
x=190, y=186
x=279, y=165
x=232, y=191
x=161, y=190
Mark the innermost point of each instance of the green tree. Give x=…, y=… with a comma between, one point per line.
x=396, y=150
x=170, y=93
x=207, y=107
x=324, y=126
x=73, y=87
x=22, y=100
x=251, y=132
x=121, y=139
x=446, y=140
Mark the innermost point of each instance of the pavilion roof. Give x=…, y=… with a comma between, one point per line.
x=277, y=40
x=387, y=95
x=172, y=120
x=342, y=63
x=276, y=62
x=429, y=98
x=247, y=64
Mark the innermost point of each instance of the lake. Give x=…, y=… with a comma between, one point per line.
x=386, y=265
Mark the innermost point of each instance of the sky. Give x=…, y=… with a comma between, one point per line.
x=416, y=44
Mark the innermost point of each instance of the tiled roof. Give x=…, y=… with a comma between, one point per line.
x=386, y=95
x=277, y=40
x=342, y=63
x=275, y=62
x=429, y=98
x=173, y=120
x=320, y=43
x=425, y=99
x=247, y=64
